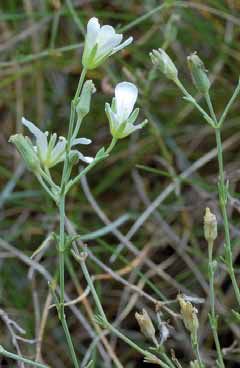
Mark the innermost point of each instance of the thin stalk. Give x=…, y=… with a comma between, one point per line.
x=74, y=101
x=223, y=202
x=223, y=196
x=20, y=358
x=66, y=172
x=82, y=260
x=41, y=181
x=197, y=352
x=61, y=250
x=191, y=99
x=213, y=317
x=229, y=104
x=74, y=181
x=111, y=146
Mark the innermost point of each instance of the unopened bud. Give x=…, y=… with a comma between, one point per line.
x=199, y=73
x=84, y=101
x=161, y=59
x=189, y=315
x=26, y=150
x=146, y=325
x=210, y=226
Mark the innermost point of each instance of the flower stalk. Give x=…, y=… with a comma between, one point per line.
x=210, y=232
x=102, y=318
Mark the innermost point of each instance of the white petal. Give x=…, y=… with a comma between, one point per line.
x=126, y=95
x=58, y=150
x=81, y=141
x=41, y=137
x=107, y=40
x=124, y=44
x=85, y=158
x=93, y=28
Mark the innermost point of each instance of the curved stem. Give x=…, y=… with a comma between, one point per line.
x=20, y=358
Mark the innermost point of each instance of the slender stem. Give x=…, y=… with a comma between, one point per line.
x=66, y=170
x=223, y=196
x=41, y=181
x=48, y=179
x=111, y=146
x=61, y=250
x=223, y=202
x=229, y=104
x=82, y=260
x=191, y=99
x=90, y=166
x=131, y=343
x=20, y=358
x=196, y=350
x=212, y=316
x=61, y=247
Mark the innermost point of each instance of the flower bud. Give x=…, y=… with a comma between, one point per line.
x=26, y=150
x=161, y=59
x=83, y=104
x=189, y=315
x=146, y=325
x=199, y=73
x=210, y=226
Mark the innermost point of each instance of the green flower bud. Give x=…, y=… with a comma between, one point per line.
x=26, y=150
x=161, y=59
x=83, y=104
x=199, y=73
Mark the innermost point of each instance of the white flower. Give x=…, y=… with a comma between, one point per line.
x=52, y=151
x=100, y=43
x=121, y=115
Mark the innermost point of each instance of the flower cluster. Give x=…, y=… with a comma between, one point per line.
x=48, y=149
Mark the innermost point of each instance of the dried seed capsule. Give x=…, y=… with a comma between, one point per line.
x=146, y=325
x=210, y=226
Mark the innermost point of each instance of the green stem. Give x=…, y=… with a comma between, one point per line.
x=229, y=104
x=61, y=250
x=66, y=171
x=197, y=352
x=82, y=260
x=111, y=146
x=191, y=99
x=73, y=104
x=223, y=202
x=223, y=196
x=41, y=181
x=74, y=181
x=212, y=316
x=19, y=358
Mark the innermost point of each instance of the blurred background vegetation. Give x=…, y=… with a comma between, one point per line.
x=40, y=53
